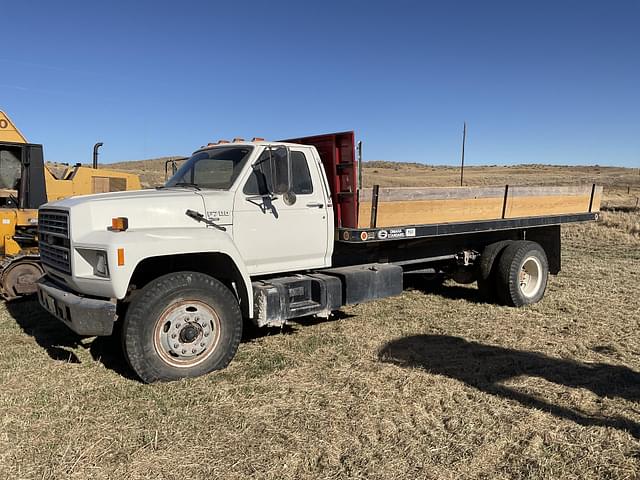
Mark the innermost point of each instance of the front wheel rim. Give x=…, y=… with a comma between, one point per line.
x=530, y=277
x=186, y=333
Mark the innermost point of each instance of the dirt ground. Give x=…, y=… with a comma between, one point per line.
x=430, y=384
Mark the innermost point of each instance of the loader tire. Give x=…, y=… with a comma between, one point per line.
x=183, y=324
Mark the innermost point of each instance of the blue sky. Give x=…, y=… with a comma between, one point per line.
x=537, y=82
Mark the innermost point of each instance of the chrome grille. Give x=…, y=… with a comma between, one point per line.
x=55, y=257
x=53, y=223
x=53, y=235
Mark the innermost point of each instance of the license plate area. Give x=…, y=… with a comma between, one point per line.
x=53, y=306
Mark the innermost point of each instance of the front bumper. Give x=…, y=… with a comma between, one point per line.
x=85, y=316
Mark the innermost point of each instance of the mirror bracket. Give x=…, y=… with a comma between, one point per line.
x=264, y=202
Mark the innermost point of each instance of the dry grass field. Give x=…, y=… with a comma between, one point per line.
x=430, y=384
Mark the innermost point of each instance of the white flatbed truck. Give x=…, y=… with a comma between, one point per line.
x=269, y=231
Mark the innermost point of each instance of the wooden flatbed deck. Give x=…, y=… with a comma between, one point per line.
x=396, y=207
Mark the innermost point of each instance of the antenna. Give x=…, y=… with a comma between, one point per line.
x=464, y=140
x=360, y=165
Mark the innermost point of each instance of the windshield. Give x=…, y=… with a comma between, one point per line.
x=214, y=168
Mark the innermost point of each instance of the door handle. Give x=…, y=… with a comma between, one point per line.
x=315, y=205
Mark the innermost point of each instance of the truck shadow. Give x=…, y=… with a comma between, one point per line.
x=452, y=292
x=485, y=367
x=250, y=332
x=60, y=342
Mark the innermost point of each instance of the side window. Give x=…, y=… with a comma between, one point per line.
x=252, y=188
x=271, y=174
x=301, y=177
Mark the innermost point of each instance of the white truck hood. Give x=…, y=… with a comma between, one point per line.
x=157, y=208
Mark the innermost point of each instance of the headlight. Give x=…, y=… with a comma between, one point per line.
x=101, y=267
x=91, y=263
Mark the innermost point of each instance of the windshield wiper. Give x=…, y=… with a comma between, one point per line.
x=198, y=217
x=186, y=184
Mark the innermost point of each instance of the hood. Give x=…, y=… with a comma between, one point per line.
x=148, y=194
x=161, y=208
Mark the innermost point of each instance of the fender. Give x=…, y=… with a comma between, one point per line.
x=138, y=245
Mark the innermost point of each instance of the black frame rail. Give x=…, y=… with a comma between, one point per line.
x=386, y=234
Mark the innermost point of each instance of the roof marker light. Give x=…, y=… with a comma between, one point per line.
x=119, y=224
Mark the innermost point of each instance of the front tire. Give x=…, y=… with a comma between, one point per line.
x=522, y=274
x=183, y=324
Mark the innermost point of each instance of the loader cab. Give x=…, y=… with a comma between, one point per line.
x=22, y=183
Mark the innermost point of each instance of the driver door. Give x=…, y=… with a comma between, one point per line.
x=276, y=231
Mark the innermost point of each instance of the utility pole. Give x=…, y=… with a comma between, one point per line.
x=464, y=140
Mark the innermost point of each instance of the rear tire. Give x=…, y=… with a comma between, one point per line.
x=487, y=269
x=183, y=324
x=522, y=274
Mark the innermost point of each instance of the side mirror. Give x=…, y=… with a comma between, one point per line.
x=274, y=165
x=289, y=198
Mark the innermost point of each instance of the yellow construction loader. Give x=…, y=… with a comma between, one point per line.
x=25, y=184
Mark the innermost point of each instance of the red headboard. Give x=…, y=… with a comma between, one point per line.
x=338, y=154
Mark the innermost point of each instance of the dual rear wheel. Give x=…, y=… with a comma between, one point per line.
x=513, y=272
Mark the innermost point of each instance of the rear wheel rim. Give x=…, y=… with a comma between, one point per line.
x=530, y=277
x=186, y=333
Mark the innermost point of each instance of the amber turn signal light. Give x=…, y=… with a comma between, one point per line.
x=120, y=257
x=119, y=224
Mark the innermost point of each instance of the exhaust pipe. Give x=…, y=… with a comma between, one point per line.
x=95, y=154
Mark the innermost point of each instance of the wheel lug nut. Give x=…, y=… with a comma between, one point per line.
x=206, y=334
x=193, y=350
x=174, y=335
x=178, y=325
x=175, y=345
x=202, y=344
x=184, y=350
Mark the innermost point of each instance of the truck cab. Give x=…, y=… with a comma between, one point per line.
x=237, y=211
x=254, y=198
